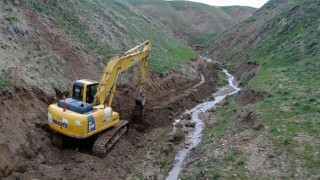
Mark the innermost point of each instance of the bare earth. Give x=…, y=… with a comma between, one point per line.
x=26, y=149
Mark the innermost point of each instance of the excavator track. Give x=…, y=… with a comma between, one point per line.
x=108, y=138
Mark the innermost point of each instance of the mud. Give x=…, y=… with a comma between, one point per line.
x=245, y=68
x=246, y=119
x=27, y=152
x=23, y=110
x=249, y=96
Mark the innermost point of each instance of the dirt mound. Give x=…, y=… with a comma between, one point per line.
x=21, y=138
x=245, y=71
x=246, y=68
x=246, y=119
x=249, y=96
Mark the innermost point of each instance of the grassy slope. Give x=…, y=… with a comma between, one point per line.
x=239, y=13
x=208, y=20
x=4, y=81
x=109, y=27
x=195, y=23
x=289, y=57
x=228, y=9
x=99, y=30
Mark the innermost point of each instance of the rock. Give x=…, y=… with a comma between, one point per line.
x=19, y=28
x=190, y=124
x=41, y=159
x=16, y=3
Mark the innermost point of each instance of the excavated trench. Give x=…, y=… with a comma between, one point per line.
x=26, y=150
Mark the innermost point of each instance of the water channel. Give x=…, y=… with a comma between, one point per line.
x=194, y=137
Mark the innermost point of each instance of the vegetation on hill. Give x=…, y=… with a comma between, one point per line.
x=109, y=27
x=276, y=135
x=54, y=36
x=4, y=81
x=229, y=9
x=193, y=23
x=239, y=13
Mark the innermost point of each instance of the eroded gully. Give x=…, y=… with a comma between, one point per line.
x=194, y=137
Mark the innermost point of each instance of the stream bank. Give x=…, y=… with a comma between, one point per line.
x=194, y=137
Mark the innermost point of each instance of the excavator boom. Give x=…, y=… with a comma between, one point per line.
x=107, y=83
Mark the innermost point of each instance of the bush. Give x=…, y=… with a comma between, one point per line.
x=178, y=137
x=246, y=77
x=11, y=19
x=4, y=81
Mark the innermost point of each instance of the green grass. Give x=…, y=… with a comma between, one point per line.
x=11, y=19
x=65, y=16
x=222, y=79
x=228, y=9
x=289, y=74
x=5, y=83
x=86, y=21
x=9, y=16
x=169, y=13
x=164, y=158
x=210, y=166
x=161, y=154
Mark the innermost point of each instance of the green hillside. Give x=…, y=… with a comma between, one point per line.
x=84, y=34
x=193, y=23
x=278, y=136
x=77, y=38
x=124, y=24
x=229, y=9
x=239, y=13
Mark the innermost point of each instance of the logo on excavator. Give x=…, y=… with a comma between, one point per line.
x=62, y=124
x=91, y=123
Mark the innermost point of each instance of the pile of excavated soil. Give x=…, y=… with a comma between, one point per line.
x=26, y=149
x=246, y=67
x=249, y=96
x=21, y=136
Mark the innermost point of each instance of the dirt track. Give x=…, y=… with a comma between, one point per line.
x=28, y=152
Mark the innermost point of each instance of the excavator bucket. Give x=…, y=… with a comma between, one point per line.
x=136, y=115
x=141, y=100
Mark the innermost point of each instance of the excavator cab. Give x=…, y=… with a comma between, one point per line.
x=84, y=90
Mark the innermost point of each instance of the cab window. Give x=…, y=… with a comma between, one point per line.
x=91, y=92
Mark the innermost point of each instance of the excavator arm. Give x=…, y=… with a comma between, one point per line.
x=107, y=83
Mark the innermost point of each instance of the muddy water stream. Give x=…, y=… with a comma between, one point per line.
x=194, y=137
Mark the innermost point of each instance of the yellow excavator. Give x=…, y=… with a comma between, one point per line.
x=88, y=111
